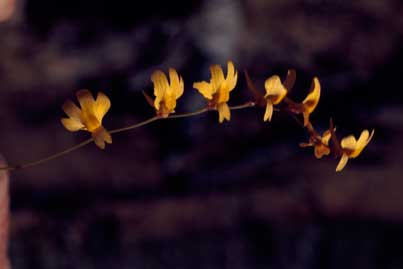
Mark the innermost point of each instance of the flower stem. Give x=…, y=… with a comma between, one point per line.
x=51, y=157
x=134, y=126
x=115, y=131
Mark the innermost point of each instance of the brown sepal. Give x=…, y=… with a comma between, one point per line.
x=150, y=101
x=257, y=95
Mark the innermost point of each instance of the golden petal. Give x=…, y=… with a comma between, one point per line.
x=232, y=76
x=342, y=163
x=362, y=142
x=101, y=107
x=177, y=85
x=217, y=77
x=312, y=100
x=269, y=111
x=85, y=99
x=223, y=95
x=204, y=88
x=349, y=143
x=71, y=109
x=100, y=136
x=72, y=124
x=275, y=90
x=160, y=86
x=326, y=137
x=321, y=150
x=223, y=112
x=170, y=102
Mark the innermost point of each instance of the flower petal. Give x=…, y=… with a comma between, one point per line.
x=232, y=76
x=100, y=136
x=204, y=89
x=223, y=112
x=217, y=77
x=342, y=163
x=72, y=124
x=362, y=142
x=321, y=150
x=101, y=106
x=275, y=90
x=312, y=100
x=269, y=111
x=86, y=100
x=160, y=86
x=326, y=137
x=349, y=143
x=177, y=85
x=71, y=109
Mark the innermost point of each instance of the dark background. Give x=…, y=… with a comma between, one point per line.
x=191, y=193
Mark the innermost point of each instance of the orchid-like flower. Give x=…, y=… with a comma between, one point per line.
x=89, y=117
x=218, y=90
x=275, y=93
x=320, y=144
x=165, y=93
x=311, y=101
x=351, y=147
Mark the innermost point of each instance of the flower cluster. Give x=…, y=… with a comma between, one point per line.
x=167, y=90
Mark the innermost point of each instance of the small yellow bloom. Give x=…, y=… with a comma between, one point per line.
x=166, y=93
x=311, y=101
x=219, y=88
x=275, y=93
x=320, y=144
x=89, y=117
x=351, y=147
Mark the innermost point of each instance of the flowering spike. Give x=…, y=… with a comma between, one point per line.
x=217, y=91
x=89, y=117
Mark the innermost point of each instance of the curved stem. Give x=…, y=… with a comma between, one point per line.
x=115, y=131
x=190, y=114
x=246, y=105
x=51, y=157
x=134, y=126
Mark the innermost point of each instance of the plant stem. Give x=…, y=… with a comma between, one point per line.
x=115, y=131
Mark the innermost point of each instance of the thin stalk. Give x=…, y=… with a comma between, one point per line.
x=115, y=131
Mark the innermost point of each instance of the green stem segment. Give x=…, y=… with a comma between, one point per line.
x=115, y=131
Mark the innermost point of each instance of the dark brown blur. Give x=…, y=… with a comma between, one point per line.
x=193, y=193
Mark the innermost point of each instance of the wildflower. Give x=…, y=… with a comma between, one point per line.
x=309, y=104
x=219, y=88
x=89, y=117
x=351, y=148
x=165, y=93
x=275, y=93
x=311, y=101
x=320, y=144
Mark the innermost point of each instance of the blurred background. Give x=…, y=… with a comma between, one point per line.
x=191, y=193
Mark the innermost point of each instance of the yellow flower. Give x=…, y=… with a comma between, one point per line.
x=217, y=91
x=311, y=101
x=89, y=117
x=320, y=144
x=166, y=93
x=275, y=93
x=351, y=147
